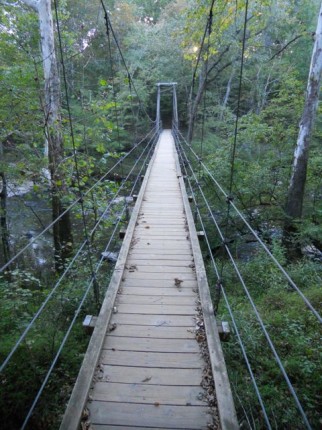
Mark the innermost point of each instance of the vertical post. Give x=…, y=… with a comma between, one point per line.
x=175, y=120
x=158, y=118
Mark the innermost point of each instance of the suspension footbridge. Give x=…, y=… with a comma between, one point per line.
x=154, y=359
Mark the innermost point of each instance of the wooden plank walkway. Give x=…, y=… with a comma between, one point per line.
x=144, y=367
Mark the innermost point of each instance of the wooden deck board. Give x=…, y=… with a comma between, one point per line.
x=143, y=344
x=136, y=299
x=155, y=291
x=154, y=320
x=148, y=394
x=152, y=376
x=178, y=417
x=186, y=360
x=155, y=332
x=156, y=309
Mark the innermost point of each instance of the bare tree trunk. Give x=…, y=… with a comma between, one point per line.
x=295, y=195
x=227, y=94
x=194, y=104
x=3, y=219
x=62, y=229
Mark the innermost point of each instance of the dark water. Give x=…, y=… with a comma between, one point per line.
x=27, y=215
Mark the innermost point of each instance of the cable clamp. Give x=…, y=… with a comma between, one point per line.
x=229, y=199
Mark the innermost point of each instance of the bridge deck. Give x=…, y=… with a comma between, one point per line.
x=149, y=365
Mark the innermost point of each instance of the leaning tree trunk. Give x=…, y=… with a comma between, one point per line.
x=62, y=228
x=295, y=195
x=194, y=104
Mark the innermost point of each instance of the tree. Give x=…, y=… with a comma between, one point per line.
x=53, y=129
x=295, y=194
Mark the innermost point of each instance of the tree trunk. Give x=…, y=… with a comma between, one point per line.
x=62, y=228
x=226, y=98
x=194, y=104
x=295, y=195
x=3, y=220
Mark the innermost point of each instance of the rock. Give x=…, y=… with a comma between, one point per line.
x=110, y=256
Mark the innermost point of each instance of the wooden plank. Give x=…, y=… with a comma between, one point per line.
x=169, y=262
x=158, y=219
x=135, y=255
x=156, y=300
x=155, y=320
x=164, y=244
x=121, y=343
x=155, y=376
x=156, y=332
x=155, y=291
x=178, y=417
x=155, y=205
x=161, y=230
x=157, y=309
x=161, y=244
x=163, y=237
x=159, y=283
x=147, y=394
x=152, y=359
x=155, y=269
x=161, y=275
x=151, y=248
x=163, y=215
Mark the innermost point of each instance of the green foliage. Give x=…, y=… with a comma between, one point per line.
x=295, y=333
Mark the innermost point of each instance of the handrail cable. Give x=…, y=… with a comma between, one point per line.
x=255, y=234
x=71, y=263
x=51, y=368
x=222, y=289
x=22, y=250
x=239, y=275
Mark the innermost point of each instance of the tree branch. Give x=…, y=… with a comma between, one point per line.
x=31, y=3
x=34, y=4
x=285, y=46
x=5, y=3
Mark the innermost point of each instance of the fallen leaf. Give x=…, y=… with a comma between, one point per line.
x=148, y=378
x=112, y=327
x=177, y=282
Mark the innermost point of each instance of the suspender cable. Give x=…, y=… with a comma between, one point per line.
x=107, y=18
x=81, y=200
